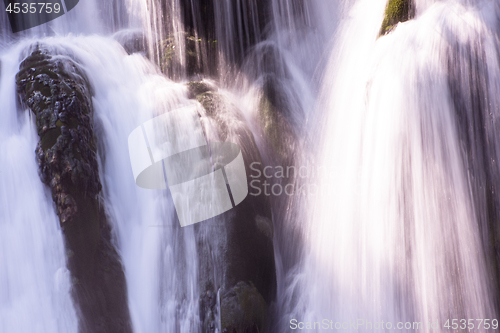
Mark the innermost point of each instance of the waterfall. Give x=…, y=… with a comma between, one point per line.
x=34, y=280
x=399, y=221
x=407, y=145
x=160, y=259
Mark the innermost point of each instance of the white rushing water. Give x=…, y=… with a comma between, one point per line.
x=159, y=257
x=397, y=229
x=394, y=234
x=34, y=280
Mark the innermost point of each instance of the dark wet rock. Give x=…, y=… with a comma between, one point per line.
x=208, y=310
x=235, y=249
x=249, y=20
x=196, y=88
x=209, y=40
x=58, y=94
x=215, y=107
x=274, y=120
x=181, y=54
x=212, y=102
x=245, y=309
x=280, y=114
x=395, y=12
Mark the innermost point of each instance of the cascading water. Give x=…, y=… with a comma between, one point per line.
x=159, y=259
x=34, y=280
x=400, y=131
x=396, y=232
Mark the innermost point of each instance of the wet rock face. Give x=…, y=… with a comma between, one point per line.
x=196, y=88
x=245, y=309
x=66, y=150
x=182, y=54
x=59, y=96
x=235, y=249
x=200, y=19
x=214, y=107
x=274, y=120
x=280, y=113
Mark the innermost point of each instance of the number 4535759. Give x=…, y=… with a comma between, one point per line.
x=33, y=8
x=469, y=324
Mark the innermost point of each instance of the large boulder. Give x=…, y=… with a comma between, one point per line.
x=244, y=309
x=58, y=95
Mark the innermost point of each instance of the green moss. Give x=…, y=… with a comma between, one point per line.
x=50, y=137
x=170, y=56
x=167, y=53
x=275, y=129
x=395, y=12
x=210, y=102
x=268, y=117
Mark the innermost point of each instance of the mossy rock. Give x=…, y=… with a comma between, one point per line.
x=62, y=106
x=276, y=128
x=196, y=88
x=245, y=266
x=172, y=62
x=67, y=159
x=243, y=309
x=167, y=50
x=396, y=11
x=269, y=120
x=211, y=102
x=216, y=108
